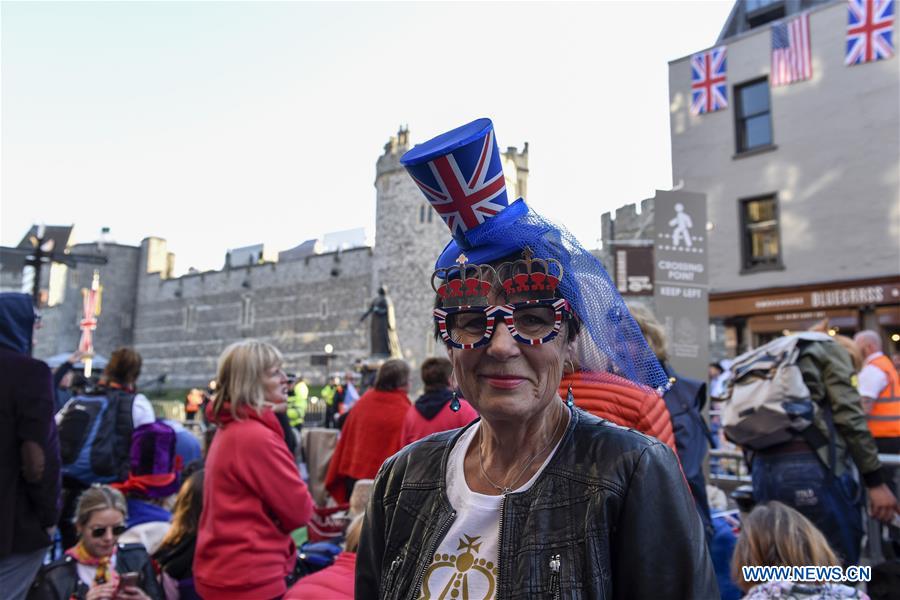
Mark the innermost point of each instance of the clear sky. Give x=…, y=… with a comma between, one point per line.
x=222, y=124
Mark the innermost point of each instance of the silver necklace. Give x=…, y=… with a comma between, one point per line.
x=508, y=488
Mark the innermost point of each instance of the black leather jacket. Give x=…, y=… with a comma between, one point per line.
x=59, y=580
x=612, y=503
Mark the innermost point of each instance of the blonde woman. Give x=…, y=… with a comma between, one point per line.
x=253, y=495
x=96, y=567
x=774, y=535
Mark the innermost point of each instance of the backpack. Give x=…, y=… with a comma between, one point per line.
x=767, y=401
x=95, y=437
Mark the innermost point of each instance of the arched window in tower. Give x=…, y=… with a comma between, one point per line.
x=430, y=215
x=422, y=214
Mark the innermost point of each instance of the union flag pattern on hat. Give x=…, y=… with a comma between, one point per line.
x=461, y=174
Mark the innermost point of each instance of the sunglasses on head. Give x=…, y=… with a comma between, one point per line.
x=532, y=323
x=99, y=532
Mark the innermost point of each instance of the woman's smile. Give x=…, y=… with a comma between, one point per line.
x=503, y=382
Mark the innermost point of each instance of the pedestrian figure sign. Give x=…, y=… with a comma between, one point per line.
x=681, y=225
x=680, y=279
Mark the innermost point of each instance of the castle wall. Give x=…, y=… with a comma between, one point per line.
x=183, y=324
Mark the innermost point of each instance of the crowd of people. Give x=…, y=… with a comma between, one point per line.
x=554, y=452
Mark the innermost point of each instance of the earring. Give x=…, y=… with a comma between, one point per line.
x=454, y=402
x=570, y=399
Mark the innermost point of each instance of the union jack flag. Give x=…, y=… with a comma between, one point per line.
x=708, y=87
x=466, y=186
x=870, y=31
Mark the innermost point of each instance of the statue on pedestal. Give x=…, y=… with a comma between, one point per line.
x=383, y=339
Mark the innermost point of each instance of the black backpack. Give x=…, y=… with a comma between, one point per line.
x=95, y=437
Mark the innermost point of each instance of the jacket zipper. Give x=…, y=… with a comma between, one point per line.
x=434, y=547
x=500, y=544
x=554, y=576
x=388, y=581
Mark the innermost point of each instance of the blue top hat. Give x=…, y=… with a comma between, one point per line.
x=461, y=175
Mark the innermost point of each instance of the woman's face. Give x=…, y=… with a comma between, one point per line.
x=275, y=385
x=508, y=380
x=102, y=522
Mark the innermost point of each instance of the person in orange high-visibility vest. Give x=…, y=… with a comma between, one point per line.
x=879, y=387
x=192, y=403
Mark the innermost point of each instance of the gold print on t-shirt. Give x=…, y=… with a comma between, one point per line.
x=467, y=568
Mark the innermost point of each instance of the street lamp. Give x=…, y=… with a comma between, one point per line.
x=329, y=348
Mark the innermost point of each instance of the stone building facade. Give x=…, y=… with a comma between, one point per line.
x=307, y=304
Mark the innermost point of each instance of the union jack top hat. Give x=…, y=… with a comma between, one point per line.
x=461, y=175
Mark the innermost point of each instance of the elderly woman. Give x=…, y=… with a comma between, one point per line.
x=253, y=497
x=98, y=567
x=537, y=498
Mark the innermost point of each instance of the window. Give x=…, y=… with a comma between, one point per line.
x=422, y=214
x=760, y=12
x=761, y=239
x=754, y=124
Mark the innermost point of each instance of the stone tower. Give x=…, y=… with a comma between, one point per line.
x=409, y=236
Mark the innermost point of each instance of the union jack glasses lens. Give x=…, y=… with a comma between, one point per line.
x=533, y=322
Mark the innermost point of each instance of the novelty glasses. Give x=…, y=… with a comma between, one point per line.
x=531, y=322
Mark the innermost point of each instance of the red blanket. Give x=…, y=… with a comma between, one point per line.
x=370, y=434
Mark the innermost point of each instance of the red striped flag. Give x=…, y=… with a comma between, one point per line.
x=791, y=60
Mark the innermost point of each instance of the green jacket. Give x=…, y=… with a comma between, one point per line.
x=827, y=372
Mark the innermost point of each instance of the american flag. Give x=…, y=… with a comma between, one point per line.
x=791, y=59
x=870, y=31
x=466, y=186
x=709, y=91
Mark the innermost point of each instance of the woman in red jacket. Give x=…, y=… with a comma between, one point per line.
x=254, y=497
x=371, y=432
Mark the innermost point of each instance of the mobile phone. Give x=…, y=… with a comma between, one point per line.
x=128, y=580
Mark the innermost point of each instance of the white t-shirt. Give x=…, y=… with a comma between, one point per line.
x=871, y=379
x=466, y=559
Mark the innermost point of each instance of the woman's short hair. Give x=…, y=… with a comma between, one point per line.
x=653, y=331
x=436, y=373
x=124, y=366
x=239, y=377
x=98, y=497
x=392, y=375
x=775, y=534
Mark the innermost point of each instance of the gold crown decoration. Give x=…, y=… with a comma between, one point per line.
x=465, y=284
x=530, y=275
